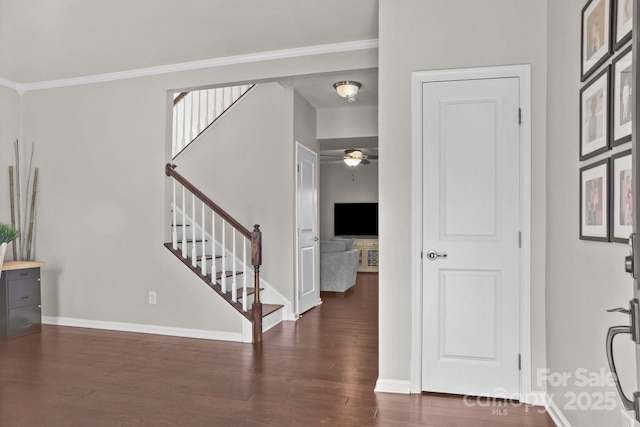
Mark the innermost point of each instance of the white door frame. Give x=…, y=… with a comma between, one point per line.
x=523, y=72
x=296, y=299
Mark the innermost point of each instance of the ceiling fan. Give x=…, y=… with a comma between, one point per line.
x=354, y=157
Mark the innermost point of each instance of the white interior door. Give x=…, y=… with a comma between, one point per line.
x=471, y=213
x=308, y=275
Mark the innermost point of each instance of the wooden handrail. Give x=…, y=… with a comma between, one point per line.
x=179, y=97
x=170, y=170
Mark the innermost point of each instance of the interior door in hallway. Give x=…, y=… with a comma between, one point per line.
x=308, y=277
x=471, y=232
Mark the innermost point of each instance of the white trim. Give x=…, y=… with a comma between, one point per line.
x=555, y=412
x=296, y=298
x=143, y=329
x=523, y=73
x=393, y=386
x=197, y=65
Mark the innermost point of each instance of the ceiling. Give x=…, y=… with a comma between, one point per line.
x=61, y=39
x=42, y=41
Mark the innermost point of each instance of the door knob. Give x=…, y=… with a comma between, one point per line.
x=315, y=239
x=433, y=255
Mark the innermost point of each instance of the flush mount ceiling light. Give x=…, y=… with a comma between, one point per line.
x=352, y=157
x=347, y=89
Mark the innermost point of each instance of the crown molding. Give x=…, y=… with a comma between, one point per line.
x=196, y=65
x=12, y=85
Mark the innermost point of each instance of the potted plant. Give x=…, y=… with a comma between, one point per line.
x=7, y=235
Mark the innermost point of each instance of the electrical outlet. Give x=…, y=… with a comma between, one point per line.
x=152, y=297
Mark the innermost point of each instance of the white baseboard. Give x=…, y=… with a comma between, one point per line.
x=393, y=386
x=555, y=412
x=144, y=329
x=535, y=398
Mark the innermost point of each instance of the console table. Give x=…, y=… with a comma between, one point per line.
x=368, y=254
x=20, y=309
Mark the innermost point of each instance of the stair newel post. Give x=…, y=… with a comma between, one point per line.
x=234, y=290
x=174, y=224
x=203, y=266
x=256, y=261
x=244, y=274
x=194, y=250
x=223, y=277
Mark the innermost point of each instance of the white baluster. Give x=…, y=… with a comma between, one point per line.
x=199, y=125
x=213, y=246
x=227, y=97
x=203, y=267
x=174, y=142
x=206, y=109
x=223, y=278
x=192, y=132
x=184, y=225
x=234, y=289
x=194, y=251
x=184, y=121
x=174, y=230
x=219, y=101
x=244, y=274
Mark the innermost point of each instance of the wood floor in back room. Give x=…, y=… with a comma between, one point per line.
x=320, y=370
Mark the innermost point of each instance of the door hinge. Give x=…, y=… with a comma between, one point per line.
x=421, y=255
x=519, y=362
x=298, y=168
x=519, y=239
x=520, y=116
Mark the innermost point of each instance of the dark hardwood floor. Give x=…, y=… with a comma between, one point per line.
x=320, y=370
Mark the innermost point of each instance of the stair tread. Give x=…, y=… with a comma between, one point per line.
x=267, y=309
x=199, y=257
x=229, y=273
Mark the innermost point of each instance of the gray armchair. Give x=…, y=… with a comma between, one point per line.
x=338, y=265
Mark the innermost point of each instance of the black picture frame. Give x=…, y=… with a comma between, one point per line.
x=595, y=39
x=621, y=96
x=622, y=197
x=595, y=114
x=622, y=23
x=594, y=201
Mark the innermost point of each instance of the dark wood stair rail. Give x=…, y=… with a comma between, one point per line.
x=256, y=244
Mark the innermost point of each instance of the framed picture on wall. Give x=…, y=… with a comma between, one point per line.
x=594, y=201
x=622, y=197
x=622, y=22
x=621, y=98
x=596, y=35
x=594, y=115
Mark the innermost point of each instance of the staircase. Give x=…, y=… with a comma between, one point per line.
x=215, y=246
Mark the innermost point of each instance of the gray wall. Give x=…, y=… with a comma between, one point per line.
x=583, y=278
x=340, y=183
x=441, y=34
x=101, y=219
x=9, y=132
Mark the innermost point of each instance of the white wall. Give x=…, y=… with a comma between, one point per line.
x=101, y=218
x=340, y=183
x=10, y=104
x=347, y=122
x=583, y=278
x=441, y=34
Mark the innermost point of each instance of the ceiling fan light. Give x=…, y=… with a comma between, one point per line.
x=352, y=161
x=347, y=89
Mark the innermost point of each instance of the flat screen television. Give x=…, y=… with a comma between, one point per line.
x=355, y=219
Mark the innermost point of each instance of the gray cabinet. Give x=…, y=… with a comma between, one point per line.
x=20, y=310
